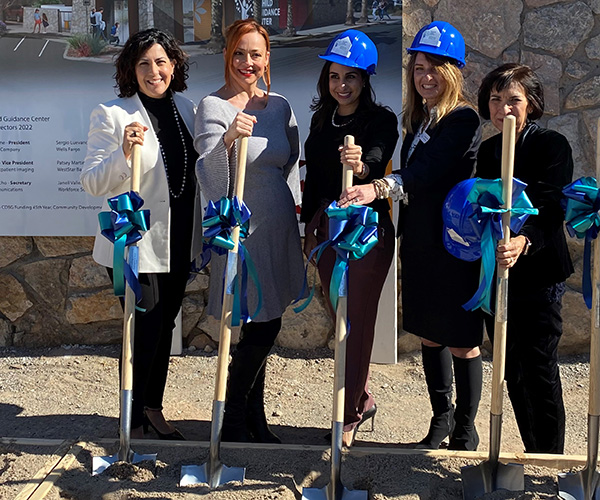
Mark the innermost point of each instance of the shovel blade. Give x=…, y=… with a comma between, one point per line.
x=199, y=474
x=323, y=494
x=100, y=464
x=573, y=485
x=485, y=478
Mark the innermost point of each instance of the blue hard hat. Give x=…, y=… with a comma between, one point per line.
x=462, y=234
x=441, y=39
x=354, y=49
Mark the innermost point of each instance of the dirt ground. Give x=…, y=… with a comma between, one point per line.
x=71, y=393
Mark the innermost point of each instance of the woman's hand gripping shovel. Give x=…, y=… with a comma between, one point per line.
x=335, y=490
x=492, y=475
x=585, y=484
x=213, y=472
x=125, y=453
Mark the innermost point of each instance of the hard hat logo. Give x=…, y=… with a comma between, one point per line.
x=431, y=37
x=342, y=47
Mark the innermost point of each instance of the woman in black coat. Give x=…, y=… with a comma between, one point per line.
x=537, y=256
x=439, y=150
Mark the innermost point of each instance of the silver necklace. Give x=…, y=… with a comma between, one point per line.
x=333, y=119
x=185, y=154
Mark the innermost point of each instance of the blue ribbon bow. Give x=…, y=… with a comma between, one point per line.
x=582, y=220
x=122, y=226
x=486, y=200
x=352, y=234
x=220, y=219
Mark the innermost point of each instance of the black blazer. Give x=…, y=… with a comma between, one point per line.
x=543, y=160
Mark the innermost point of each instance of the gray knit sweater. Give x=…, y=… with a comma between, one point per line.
x=272, y=190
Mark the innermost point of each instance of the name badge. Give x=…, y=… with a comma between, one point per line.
x=425, y=137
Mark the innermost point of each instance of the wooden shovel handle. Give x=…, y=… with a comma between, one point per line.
x=341, y=322
x=499, y=356
x=594, y=405
x=136, y=159
x=226, y=311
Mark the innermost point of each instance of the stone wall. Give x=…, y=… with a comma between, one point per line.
x=54, y=293
x=561, y=42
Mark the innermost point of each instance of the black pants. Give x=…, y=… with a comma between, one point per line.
x=532, y=373
x=162, y=295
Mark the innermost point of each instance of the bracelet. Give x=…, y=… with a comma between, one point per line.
x=364, y=173
x=382, y=189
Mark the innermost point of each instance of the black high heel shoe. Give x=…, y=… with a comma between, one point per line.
x=169, y=436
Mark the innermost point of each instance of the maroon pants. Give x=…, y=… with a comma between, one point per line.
x=366, y=278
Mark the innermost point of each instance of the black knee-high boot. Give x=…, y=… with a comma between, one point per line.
x=437, y=364
x=468, y=377
x=255, y=416
x=244, y=368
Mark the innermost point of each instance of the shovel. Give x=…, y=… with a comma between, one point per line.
x=492, y=475
x=125, y=453
x=213, y=472
x=584, y=485
x=335, y=490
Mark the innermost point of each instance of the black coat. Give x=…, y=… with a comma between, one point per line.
x=436, y=284
x=543, y=160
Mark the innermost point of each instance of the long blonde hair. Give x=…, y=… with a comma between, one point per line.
x=451, y=98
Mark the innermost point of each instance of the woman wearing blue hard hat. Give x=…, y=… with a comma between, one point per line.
x=346, y=106
x=538, y=256
x=442, y=137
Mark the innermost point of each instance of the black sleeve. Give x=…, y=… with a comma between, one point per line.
x=380, y=149
x=554, y=171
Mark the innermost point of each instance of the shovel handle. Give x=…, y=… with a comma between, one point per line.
x=226, y=311
x=499, y=356
x=341, y=329
x=594, y=404
x=136, y=159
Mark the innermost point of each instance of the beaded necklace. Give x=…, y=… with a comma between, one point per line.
x=185, y=154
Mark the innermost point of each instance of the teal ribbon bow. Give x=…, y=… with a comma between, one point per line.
x=220, y=219
x=581, y=207
x=122, y=226
x=352, y=234
x=486, y=201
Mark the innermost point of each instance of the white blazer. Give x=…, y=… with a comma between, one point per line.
x=107, y=173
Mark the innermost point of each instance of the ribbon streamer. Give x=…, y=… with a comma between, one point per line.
x=122, y=226
x=582, y=220
x=352, y=234
x=486, y=201
x=220, y=219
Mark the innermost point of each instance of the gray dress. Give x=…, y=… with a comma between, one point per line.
x=272, y=190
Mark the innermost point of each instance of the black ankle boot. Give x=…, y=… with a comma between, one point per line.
x=243, y=370
x=437, y=364
x=255, y=416
x=468, y=375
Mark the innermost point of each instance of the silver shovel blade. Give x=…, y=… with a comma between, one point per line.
x=479, y=479
x=198, y=474
x=100, y=464
x=321, y=494
x=572, y=485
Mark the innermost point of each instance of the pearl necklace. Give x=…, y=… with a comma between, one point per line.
x=343, y=124
x=185, y=154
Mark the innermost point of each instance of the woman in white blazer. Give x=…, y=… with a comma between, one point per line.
x=150, y=70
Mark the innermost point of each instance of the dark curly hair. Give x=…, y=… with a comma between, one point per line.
x=501, y=78
x=324, y=104
x=135, y=47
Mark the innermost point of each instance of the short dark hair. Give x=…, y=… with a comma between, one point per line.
x=501, y=78
x=134, y=49
x=324, y=104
